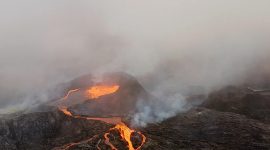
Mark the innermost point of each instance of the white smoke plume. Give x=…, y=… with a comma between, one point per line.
x=170, y=45
x=154, y=111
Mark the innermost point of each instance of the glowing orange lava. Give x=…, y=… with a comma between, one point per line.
x=125, y=133
x=112, y=120
x=69, y=92
x=69, y=145
x=65, y=111
x=124, y=130
x=100, y=90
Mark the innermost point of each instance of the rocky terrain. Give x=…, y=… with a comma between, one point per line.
x=202, y=128
x=230, y=118
x=241, y=100
x=120, y=103
x=45, y=130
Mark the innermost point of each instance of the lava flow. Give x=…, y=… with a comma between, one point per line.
x=65, y=111
x=100, y=90
x=124, y=130
x=125, y=133
x=69, y=92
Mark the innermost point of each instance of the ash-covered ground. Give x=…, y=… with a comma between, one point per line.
x=234, y=117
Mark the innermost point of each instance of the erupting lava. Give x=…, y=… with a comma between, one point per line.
x=65, y=111
x=69, y=92
x=100, y=90
x=125, y=133
x=94, y=91
x=124, y=130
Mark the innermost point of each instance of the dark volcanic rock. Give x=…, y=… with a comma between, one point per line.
x=235, y=118
x=119, y=103
x=240, y=100
x=198, y=128
x=208, y=129
x=114, y=137
x=45, y=130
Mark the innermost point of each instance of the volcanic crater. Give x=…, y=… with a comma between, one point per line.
x=94, y=114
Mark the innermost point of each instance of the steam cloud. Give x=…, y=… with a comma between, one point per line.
x=158, y=110
x=169, y=45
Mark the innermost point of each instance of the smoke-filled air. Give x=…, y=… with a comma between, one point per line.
x=134, y=74
x=169, y=46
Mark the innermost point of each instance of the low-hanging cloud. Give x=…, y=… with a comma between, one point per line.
x=166, y=45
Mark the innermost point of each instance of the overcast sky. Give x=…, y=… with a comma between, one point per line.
x=163, y=43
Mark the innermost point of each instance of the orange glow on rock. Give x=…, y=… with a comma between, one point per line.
x=65, y=111
x=100, y=90
x=125, y=133
x=124, y=130
x=68, y=93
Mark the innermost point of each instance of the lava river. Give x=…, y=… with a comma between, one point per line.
x=125, y=132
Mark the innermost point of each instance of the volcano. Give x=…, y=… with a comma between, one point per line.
x=113, y=95
x=108, y=100
x=69, y=120
x=94, y=114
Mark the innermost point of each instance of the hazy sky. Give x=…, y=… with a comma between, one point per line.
x=164, y=43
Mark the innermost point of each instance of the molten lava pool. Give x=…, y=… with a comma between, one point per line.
x=101, y=90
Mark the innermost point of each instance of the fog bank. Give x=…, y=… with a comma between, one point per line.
x=167, y=45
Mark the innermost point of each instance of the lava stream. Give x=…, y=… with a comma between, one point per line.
x=125, y=133
x=100, y=90
x=112, y=120
x=95, y=91
x=68, y=93
x=65, y=111
x=124, y=130
x=67, y=146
